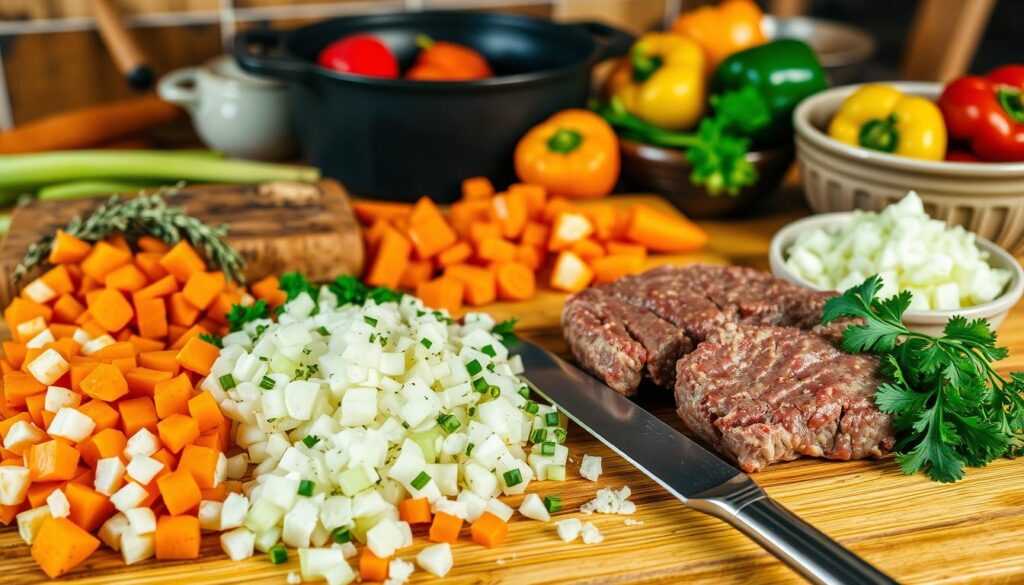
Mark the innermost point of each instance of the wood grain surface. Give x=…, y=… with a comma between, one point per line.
x=276, y=228
x=916, y=530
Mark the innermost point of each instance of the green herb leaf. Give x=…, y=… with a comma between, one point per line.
x=239, y=315
x=505, y=331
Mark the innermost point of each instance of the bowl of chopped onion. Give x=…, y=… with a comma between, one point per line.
x=948, y=270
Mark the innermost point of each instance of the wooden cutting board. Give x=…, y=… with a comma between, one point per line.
x=914, y=529
x=277, y=227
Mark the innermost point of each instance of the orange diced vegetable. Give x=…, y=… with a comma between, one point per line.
x=18, y=386
x=603, y=218
x=148, y=243
x=510, y=211
x=516, y=282
x=615, y=267
x=89, y=508
x=102, y=414
x=180, y=311
x=160, y=360
x=180, y=491
x=201, y=462
x=197, y=356
x=535, y=197
x=496, y=250
x=204, y=409
x=105, y=382
x=391, y=260
x=554, y=207
x=416, y=271
x=137, y=413
x=483, y=230
x=67, y=309
x=60, y=546
x=429, y=232
x=369, y=211
x=531, y=256
x=587, y=249
x=662, y=232
x=477, y=188
x=445, y=528
x=177, y=537
x=202, y=288
x=372, y=567
x=441, y=293
x=151, y=318
x=415, y=510
x=535, y=234
x=479, y=287
x=626, y=249
x=59, y=280
x=571, y=273
x=149, y=264
x=171, y=395
x=457, y=254
x=181, y=261
x=110, y=309
x=489, y=530
x=127, y=278
x=109, y=442
x=176, y=431
x=146, y=382
x=53, y=460
x=568, y=228
x=103, y=259
x=267, y=289
x=68, y=249
x=161, y=288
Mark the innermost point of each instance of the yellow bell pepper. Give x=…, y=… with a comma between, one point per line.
x=662, y=81
x=880, y=117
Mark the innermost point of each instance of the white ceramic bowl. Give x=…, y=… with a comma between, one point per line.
x=985, y=198
x=930, y=322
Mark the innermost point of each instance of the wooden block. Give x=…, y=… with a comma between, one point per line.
x=275, y=227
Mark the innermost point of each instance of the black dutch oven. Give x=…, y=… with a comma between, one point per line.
x=399, y=139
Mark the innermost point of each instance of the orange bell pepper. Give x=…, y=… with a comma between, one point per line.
x=722, y=30
x=574, y=153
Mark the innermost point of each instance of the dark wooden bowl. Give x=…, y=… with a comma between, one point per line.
x=667, y=172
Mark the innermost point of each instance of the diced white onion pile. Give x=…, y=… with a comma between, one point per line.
x=942, y=266
x=348, y=410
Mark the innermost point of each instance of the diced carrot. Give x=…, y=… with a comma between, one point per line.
x=554, y=207
x=568, y=228
x=180, y=311
x=146, y=382
x=14, y=352
x=169, y=460
x=511, y=212
x=174, y=333
x=215, y=494
x=496, y=250
x=391, y=260
x=176, y=431
x=62, y=330
x=53, y=460
x=151, y=318
x=374, y=234
x=535, y=196
x=171, y=395
x=197, y=356
x=103, y=259
x=530, y=256
x=102, y=414
x=516, y=282
x=143, y=344
x=149, y=264
x=457, y=254
x=614, y=267
x=105, y=382
x=21, y=310
x=626, y=249
x=603, y=218
x=87, y=285
x=369, y=211
x=148, y=243
x=201, y=462
x=479, y=285
x=137, y=413
x=109, y=442
x=68, y=249
x=90, y=325
x=160, y=360
x=204, y=409
x=110, y=309
x=489, y=530
x=372, y=567
x=662, y=232
x=118, y=241
x=416, y=271
x=89, y=508
x=429, y=231
x=59, y=280
x=9, y=513
x=127, y=278
x=535, y=234
x=571, y=273
x=192, y=332
x=18, y=386
x=415, y=510
x=477, y=188
x=463, y=214
x=181, y=261
x=60, y=546
x=65, y=346
x=202, y=288
x=39, y=491
x=161, y=288
x=218, y=312
x=441, y=293
x=35, y=405
x=267, y=289
x=216, y=438
x=483, y=230
x=587, y=249
x=445, y=528
x=79, y=370
x=177, y=537
x=121, y=349
x=180, y=491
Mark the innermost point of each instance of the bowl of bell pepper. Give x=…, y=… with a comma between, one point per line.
x=704, y=111
x=959, y=145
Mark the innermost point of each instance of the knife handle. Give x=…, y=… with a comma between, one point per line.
x=818, y=558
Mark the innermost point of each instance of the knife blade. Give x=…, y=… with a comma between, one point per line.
x=699, y=478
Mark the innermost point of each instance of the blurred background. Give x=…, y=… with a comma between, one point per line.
x=52, y=57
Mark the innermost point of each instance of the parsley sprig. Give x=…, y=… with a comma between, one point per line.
x=950, y=407
x=239, y=315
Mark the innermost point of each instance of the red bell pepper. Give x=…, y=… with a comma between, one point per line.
x=360, y=55
x=988, y=113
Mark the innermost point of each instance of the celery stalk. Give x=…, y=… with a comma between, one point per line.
x=23, y=170
x=76, y=189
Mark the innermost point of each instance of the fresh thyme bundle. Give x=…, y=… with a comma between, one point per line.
x=145, y=214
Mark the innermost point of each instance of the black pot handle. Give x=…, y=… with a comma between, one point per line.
x=611, y=42
x=261, y=51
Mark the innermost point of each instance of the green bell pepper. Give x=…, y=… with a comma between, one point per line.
x=783, y=72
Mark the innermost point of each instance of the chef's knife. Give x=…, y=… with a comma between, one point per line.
x=699, y=478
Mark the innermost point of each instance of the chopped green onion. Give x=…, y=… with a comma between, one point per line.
x=553, y=503
x=551, y=419
x=494, y=391
x=471, y=411
x=474, y=368
x=539, y=435
x=480, y=385
x=341, y=535
x=469, y=449
x=489, y=350
x=449, y=422
x=556, y=472
x=512, y=477
x=310, y=440
x=560, y=435
x=323, y=331
x=227, y=382
x=420, y=481
x=267, y=383
x=426, y=343
x=405, y=424
x=306, y=488
x=370, y=320
x=278, y=554
x=524, y=391
x=531, y=407
x=547, y=448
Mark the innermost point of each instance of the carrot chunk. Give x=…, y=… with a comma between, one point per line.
x=137, y=413
x=60, y=546
x=176, y=431
x=171, y=395
x=181, y=261
x=101, y=413
x=180, y=491
x=89, y=508
x=202, y=288
x=53, y=460
x=663, y=232
x=177, y=537
x=441, y=293
x=201, y=462
x=68, y=249
x=415, y=510
x=110, y=309
x=516, y=282
x=616, y=266
x=151, y=317
x=445, y=528
x=391, y=260
x=103, y=259
x=428, y=229
x=372, y=567
x=479, y=286
x=203, y=408
x=105, y=382
x=489, y=530
x=477, y=188
x=127, y=278
x=197, y=356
